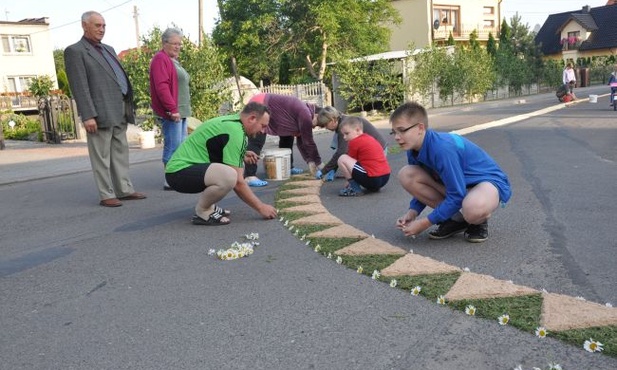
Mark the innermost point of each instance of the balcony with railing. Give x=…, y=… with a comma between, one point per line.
x=570, y=43
x=460, y=33
x=17, y=102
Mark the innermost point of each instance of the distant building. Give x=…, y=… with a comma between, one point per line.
x=27, y=53
x=580, y=33
x=427, y=21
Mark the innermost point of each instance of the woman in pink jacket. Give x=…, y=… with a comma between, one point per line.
x=169, y=90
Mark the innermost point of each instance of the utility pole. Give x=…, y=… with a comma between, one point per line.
x=201, y=21
x=135, y=16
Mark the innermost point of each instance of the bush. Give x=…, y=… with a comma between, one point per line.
x=23, y=128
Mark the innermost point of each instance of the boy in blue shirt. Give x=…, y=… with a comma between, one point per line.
x=448, y=173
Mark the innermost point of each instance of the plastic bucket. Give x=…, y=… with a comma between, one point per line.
x=593, y=98
x=147, y=139
x=277, y=163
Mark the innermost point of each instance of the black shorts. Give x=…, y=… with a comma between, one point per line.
x=370, y=183
x=189, y=180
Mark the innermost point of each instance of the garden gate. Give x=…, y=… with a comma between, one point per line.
x=57, y=118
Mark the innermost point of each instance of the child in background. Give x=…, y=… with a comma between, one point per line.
x=365, y=164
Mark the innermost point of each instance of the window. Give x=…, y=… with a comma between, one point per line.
x=489, y=10
x=447, y=16
x=489, y=23
x=16, y=44
x=18, y=85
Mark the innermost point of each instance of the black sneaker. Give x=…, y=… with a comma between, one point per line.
x=477, y=233
x=448, y=228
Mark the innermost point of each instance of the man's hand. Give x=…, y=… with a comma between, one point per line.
x=251, y=157
x=90, y=125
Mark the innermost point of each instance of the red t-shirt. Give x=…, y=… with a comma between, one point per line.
x=370, y=154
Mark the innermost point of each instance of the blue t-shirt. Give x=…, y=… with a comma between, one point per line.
x=457, y=163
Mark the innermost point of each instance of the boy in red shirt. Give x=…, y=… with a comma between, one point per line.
x=365, y=164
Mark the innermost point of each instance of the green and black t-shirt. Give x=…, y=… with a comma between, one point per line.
x=219, y=140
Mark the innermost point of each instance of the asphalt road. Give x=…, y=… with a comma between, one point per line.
x=85, y=287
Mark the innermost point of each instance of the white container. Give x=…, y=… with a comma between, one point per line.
x=277, y=163
x=146, y=140
x=593, y=98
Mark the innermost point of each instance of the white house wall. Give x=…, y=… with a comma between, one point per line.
x=38, y=63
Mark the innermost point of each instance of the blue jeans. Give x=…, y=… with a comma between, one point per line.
x=174, y=134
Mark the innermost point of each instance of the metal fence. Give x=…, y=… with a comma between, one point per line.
x=315, y=92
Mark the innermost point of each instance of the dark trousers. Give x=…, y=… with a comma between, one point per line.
x=256, y=144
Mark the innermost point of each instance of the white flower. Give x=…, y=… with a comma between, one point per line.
x=281, y=219
x=441, y=300
x=339, y=260
x=466, y=269
x=554, y=366
x=286, y=223
x=608, y=304
x=519, y=367
x=291, y=227
x=317, y=248
x=580, y=298
x=376, y=275
x=252, y=236
x=393, y=283
x=541, y=332
x=329, y=255
x=510, y=281
x=373, y=236
x=504, y=319
x=470, y=310
x=360, y=270
x=544, y=290
x=416, y=290
x=303, y=237
x=308, y=242
x=592, y=346
x=296, y=232
x=211, y=252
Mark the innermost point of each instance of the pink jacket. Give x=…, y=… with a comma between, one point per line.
x=163, y=85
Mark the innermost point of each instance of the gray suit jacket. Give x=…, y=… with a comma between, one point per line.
x=94, y=85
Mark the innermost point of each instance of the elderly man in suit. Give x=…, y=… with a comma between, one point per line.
x=104, y=99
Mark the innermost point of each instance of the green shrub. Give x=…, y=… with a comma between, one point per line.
x=24, y=126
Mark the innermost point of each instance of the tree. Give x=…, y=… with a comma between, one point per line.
x=473, y=40
x=41, y=86
x=491, y=45
x=476, y=74
x=310, y=33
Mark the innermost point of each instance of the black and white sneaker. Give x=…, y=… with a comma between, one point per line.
x=448, y=228
x=477, y=233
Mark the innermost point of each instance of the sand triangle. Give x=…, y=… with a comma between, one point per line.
x=561, y=312
x=311, y=198
x=301, y=191
x=475, y=286
x=309, y=208
x=413, y=264
x=318, y=219
x=370, y=246
x=342, y=231
x=307, y=183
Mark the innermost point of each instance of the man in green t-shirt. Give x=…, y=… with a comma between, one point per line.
x=211, y=162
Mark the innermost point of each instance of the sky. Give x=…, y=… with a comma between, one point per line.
x=65, y=25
